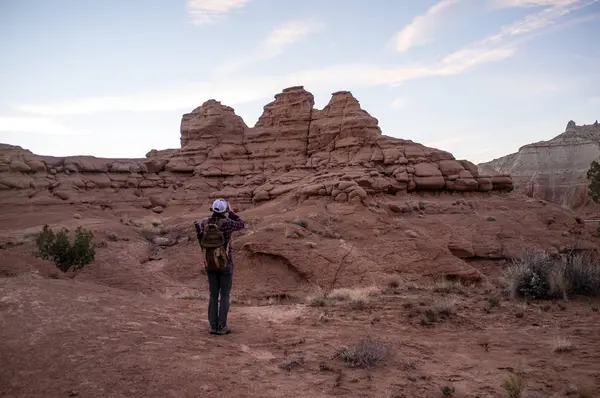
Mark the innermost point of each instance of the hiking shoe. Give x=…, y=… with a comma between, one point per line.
x=224, y=330
x=213, y=329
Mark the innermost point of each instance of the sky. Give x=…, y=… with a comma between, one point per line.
x=478, y=78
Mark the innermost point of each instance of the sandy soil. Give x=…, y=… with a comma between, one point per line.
x=70, y=338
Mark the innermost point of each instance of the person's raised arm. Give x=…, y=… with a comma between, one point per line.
x=234, y=222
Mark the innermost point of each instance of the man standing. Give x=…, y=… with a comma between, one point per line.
x=214, y=236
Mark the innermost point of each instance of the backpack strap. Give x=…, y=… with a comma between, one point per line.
x=219, y=224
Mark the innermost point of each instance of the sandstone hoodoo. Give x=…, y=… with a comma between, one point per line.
x=294, y=149
x=553, y=170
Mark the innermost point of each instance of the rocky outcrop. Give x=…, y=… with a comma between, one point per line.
x=294, y=149
x=553, y=170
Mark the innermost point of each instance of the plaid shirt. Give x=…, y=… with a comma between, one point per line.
x=228, y=226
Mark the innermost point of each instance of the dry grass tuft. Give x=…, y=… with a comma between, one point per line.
x=514, y=385
x=441, y=308
x=447, y=286
x=356, y=294
x=357, y=298
x=393, y=282
x=445, y=306
x=562, y=344
x=153, y=228
x=366, y=353
x=292, y=362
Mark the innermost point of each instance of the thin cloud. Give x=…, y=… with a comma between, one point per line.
x=206, y=12
x=421, y=29
x=234, y=91
x=546, y=17
x=504, y=43
x=33, y=125
x=530, y=3
x=283, y=36
x=287, y=34
x=399, y=103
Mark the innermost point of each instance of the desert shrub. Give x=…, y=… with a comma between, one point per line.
x=357, y=298
x=152, y=229
x=291, y=363
x=514, y=385
x=301, y=223
x=357, y=294
x=562, y=344
x=393, y=282
x=445, y=306
x=445, y=285
x=582, y=275
x=66, y=255
x=593, y=176
x=366, y=353
x=448, y=391
x=537, y=275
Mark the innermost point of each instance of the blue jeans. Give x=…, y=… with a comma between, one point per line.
x=219, y=283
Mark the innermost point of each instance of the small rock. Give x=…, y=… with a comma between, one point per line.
x=158, y=201
x=290, y=233
x=101, y=244
x=503, y=208
x=163, y=241
x=395, y=208
x=412, y=234
x=301, y=223
x=183, y=239
x=565, y=233
x=64, y=195
x=156, y=254
x=77, y=216
x=158, y=209
x=491, y=218
x=312, y=245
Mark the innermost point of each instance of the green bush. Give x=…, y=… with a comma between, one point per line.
x=539, y=276
x=593, y=176
x=58, y=248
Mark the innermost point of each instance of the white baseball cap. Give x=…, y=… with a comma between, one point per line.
x=219, y=206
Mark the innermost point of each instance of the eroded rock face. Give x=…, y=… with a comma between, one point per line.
x=553, y=170
x=338, y=151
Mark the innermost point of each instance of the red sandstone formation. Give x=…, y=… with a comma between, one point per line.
x=554, y=170
x=338, y=151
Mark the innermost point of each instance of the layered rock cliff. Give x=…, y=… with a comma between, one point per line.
x=553, y=170
x=294, y=149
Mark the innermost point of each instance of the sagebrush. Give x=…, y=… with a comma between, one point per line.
x=366, y=353
x=538, y=275
x=66, y=255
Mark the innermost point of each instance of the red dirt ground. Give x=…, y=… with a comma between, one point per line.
x=129, y=327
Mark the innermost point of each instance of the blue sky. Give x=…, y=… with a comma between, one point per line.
x=478, y=78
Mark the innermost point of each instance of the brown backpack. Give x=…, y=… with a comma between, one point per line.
x=214, y=247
